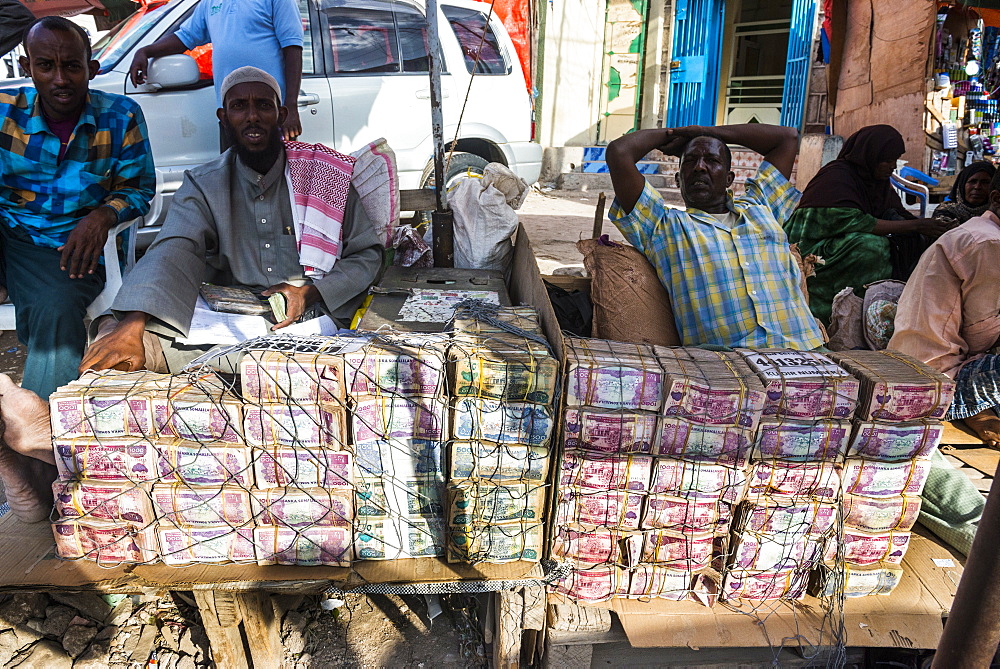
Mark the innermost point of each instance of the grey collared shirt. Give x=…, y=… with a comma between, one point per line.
x=229, y=225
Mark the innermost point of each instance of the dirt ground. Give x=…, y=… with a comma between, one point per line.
x=556, y=220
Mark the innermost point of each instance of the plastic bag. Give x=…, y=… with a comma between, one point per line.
x=485, y=217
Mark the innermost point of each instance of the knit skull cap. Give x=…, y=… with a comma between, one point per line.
x=249, y=74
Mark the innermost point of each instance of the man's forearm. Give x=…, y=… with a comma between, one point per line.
x=292, y=56
x=165, y=46
x=622, y=155
x=755, y=136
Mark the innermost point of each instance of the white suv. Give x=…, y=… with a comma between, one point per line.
x=364, y=76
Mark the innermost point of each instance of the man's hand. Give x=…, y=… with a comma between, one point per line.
x=82, y=250
x=138, y=69
x=293, y=125
x=299, y=299
x=677, y=139
x=122, y=349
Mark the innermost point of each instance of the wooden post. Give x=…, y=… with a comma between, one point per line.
x=223, y=631
x=599, y=216
x=242, y=629
x=507, y=640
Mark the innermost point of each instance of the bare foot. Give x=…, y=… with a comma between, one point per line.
x=986, y=425
x=26, y=415
x=27, y=463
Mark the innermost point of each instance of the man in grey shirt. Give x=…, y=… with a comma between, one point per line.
x=231, y=223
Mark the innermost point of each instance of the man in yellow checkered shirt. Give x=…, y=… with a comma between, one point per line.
x=724, y=260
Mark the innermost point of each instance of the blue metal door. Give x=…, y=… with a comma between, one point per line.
x=694, y=64
x=800, y=39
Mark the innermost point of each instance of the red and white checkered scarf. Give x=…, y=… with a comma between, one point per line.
x=319, y=180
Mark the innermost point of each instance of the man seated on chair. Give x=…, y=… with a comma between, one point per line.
x=74, y=163
x=229, y=222
x=724, y=261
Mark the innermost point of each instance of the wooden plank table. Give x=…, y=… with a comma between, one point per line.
x=911, y=617
x=234, y=600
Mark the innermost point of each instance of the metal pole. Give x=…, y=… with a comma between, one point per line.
x=442, y=223
x=972, y=631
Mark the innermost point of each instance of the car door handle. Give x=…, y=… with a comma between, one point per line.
x=306, y=99
x=425, y=94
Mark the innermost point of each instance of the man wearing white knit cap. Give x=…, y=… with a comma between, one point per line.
x=242, y=220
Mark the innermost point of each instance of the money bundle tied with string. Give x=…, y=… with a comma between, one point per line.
x=117, y=437
x=655, y=445
x=503, y=382
x=399, y=425
x=894, y=433
x=781, y=529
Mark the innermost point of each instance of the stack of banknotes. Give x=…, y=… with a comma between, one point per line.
x=656, y=445
x=178, y=468
x=503, y=385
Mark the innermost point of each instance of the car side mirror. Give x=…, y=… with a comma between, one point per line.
x=172, y=72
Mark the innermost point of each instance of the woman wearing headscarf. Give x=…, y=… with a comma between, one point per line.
x=852, y=218
x=969, y=195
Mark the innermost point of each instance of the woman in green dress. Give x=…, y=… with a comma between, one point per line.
x=852, y=218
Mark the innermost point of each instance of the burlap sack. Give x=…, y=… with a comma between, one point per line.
x=630, y=303
x=847, y=331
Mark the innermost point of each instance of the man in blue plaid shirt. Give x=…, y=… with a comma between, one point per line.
x=74, y=163
x=724, y=261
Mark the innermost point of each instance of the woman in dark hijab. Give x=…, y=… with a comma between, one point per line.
x=851, y=217
x=970, y=196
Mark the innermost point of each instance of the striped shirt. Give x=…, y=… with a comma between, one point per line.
x=731, y=284
x=107, y=162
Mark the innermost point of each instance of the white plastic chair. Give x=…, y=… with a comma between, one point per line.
x=113, y=270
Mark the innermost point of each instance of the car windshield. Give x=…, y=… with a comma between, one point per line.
x=110, y=48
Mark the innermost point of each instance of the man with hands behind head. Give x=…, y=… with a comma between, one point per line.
x=725, y=260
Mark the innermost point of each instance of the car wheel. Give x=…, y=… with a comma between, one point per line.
x=461, y=164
